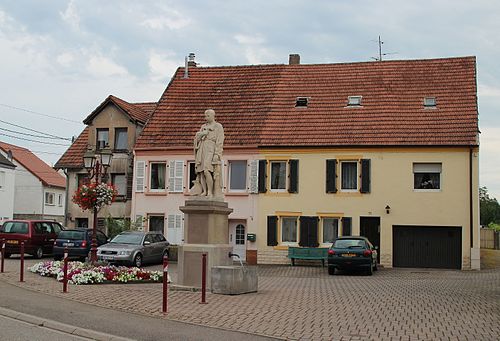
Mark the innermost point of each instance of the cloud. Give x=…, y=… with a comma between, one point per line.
x=100, y=66
x=66, y=59
x=71, y=16
x=170, y=19
x=249, y=40
x=488, y=91
x=162, y=65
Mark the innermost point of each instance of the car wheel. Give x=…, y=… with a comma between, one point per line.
x=137, y=260
x=56, y=258
x=331, y=270
x=38, y=253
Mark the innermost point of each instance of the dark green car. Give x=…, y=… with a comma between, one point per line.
x=351, y=253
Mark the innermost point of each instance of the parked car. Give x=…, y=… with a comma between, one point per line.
x=78, y=241
x=352, y=252
x=38, y=236
x=135, y=248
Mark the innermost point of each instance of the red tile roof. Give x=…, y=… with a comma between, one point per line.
x=139, y=112
x=46, y=174
x=256, y=105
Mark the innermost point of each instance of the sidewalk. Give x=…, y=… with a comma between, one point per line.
x=305, y=303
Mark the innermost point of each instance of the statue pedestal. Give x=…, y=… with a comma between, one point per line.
x=206, y=230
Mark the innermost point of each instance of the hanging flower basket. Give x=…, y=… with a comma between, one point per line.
x=90, y=196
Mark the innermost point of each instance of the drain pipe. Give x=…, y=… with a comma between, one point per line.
x=471, y=205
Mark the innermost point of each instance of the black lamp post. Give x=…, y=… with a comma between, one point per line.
x=96, y=163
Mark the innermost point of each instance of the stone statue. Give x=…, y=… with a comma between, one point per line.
x=208, y=156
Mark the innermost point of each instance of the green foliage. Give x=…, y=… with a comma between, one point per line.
x=489, y=208
x=116, y=226
x=494, y=226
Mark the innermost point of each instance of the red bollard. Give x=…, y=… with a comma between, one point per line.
x=165, y=284
x=3, y=255
x=65, y=270
x=203, y=278
x=21, y=274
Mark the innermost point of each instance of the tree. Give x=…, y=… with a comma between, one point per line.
x=489, y=208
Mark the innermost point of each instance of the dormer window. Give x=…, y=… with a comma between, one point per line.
x=301, y=102
x=354, y=101
x=430, y=102
x=102, y=139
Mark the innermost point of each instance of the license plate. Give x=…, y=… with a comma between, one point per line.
x=12, y=241
x=348, y=255
x=68, y=244
x=107, y=257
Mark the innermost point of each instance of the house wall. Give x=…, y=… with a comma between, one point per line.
x=148, y=203
x=28, y=198
x=7, y=192
x=391, y=184
x=55, y=210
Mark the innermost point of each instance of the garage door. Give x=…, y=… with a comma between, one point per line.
x=427, y=247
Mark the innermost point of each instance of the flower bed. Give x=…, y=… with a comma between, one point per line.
x=85, y=273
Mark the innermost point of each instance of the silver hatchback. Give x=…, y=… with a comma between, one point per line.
x=134, y=248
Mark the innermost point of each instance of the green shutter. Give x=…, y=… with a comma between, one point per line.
x=262, y=176
x=272, y=231
x=331, y=176
x=346, y=226
x=309, y=232
x=365, y=176
x=293, y=186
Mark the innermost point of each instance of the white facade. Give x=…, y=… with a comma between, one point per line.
x=7, y=183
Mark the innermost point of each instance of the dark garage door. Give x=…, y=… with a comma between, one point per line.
x=427, y=247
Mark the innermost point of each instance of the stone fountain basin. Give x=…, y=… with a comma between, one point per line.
x=234, y=279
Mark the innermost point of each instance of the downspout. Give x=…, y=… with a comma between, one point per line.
x=471, y=206
x=65, y=171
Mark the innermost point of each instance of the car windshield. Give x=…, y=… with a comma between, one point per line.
x=128, y=239
x=15, y=227
x=348, y=243
x=72, y=235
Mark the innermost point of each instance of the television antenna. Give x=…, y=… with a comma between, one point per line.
x=380, y=54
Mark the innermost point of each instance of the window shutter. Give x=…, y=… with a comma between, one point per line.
x=331, y=176
x=365, y=176
x=294, y=176
x=171, y=175
x=254, y=176
x=171, y=231
x=139, y=222
x=308, y=232
x=139, y=176
x=272, y=231
x=179, y=176
x=262, y=176
x=346, y=226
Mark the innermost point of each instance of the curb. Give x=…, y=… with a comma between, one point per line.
x=60, y=327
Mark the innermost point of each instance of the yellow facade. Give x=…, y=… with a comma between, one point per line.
x=392, y=184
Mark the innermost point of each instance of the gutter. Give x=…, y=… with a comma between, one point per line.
x=471, y=208
x=66, y=198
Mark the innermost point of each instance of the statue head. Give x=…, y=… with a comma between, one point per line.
x=209, y=115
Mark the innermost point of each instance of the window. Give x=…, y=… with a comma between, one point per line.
x=2, y=180
x=156, y=223
x=102, y=138
x=354, y=101
x=427, y=176
x=330, y=229
x=301, y=102
x=49, y=198
x=289, y=230
x=238, y=175
x=120, y=183
x=60, y=199
x=157, y=180
x=192, y=174
x=278, y=175
x=82, y=179
x=240, y=235
x=430, y=102
x=121, y=139
x=349, y=175
x=82, y=222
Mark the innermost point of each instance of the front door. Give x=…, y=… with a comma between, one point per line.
x=157, y=223
x=237, y=238
x=369, y=227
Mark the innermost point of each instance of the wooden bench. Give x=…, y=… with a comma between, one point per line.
x=309, y=253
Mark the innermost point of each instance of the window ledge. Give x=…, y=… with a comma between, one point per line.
x=278, y=194
x=349, y=194
x=280, y=247
x=427, y=190
x=237, y=194
x=155, y=193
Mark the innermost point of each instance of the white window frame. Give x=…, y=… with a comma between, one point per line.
x=176, y=176
x=49, y=195
x=157, y=190
x=60, y=200
x=427, y=167
x=321, y=237
x=349, y=190
x=276, y=190
x=297, y=235
x=229, y=168
x=113, y=176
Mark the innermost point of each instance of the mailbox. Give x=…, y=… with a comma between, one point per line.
x=251, y=237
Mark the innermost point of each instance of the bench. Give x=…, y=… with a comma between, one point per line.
x=310, y=253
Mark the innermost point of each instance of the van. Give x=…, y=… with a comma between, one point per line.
x=38, y=236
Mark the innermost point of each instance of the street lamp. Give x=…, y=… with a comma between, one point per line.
x=96, y=163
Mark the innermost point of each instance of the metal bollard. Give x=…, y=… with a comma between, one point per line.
x=3, y=256
x=65, y=270
x=165, y=284
x=21, y=274
x=203, y=278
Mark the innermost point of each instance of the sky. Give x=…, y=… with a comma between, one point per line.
x=60, y=59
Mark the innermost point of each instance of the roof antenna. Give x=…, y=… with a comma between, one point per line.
x=380, y=54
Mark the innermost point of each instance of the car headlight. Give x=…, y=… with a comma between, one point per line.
x=124, y=253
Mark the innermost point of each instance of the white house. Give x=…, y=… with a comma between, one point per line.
x=7, y=181
x=39, y=191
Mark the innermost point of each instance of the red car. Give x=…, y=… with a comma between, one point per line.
x=38, y=236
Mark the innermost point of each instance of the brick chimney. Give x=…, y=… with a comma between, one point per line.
x=294, y=59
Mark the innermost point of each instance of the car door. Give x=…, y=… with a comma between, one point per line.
x=149, y=248
x=158, y=247
x=101, y=238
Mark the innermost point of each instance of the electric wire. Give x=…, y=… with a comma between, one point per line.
x=36, y=131
x=41, y=142
x=38, y=113
x=33, y=135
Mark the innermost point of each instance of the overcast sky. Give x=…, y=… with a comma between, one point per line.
x=63, y=58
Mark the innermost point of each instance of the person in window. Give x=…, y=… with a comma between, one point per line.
x=208, y=144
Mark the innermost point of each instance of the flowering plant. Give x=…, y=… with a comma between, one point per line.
x=94, y=195
x=84, y=273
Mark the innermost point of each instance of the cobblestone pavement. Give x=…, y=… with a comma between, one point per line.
x=305, y=303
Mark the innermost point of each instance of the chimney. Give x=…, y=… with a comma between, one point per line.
x=191, y=61
x=9, y=155
x=294, y=59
